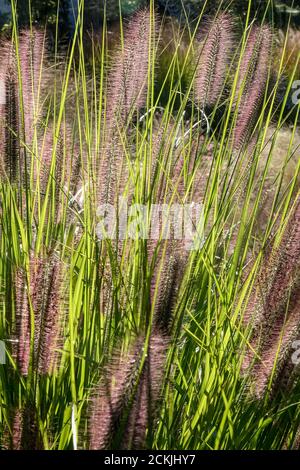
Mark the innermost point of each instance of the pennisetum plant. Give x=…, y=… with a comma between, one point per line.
x=144, y=339
x=273, y=310
x=215, y=54
x=253, y=81
x=37, y=340
x=20, y=73
x=125, y=403
x=38, y=314
x=127, y=93
x=10, y=119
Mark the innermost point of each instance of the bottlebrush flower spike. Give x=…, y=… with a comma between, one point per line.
x=167, y=279
x=128, y=78
x=47, y=162
x=127, y=92
x=31, y=53
x=112, y=171
x=274, y=308
x=15, y=128
x=124, y=406
x=214, y=61
x=9, y=117
x=111, y=399
x=23, y=433
x=43, y=295
x=16, y=438
x=27, y=429
x=50, y=321
x=252, y=84
x=145, y=405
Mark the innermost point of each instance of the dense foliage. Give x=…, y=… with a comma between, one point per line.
x=114, y=336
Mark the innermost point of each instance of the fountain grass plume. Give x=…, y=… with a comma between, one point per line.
x=38, y=299
x=273, y=308
x=214, y=61
x=165, y=282
x=29, y=437
x=110, y=399
x=23, y=433
x=143, y=415
x=128, y=79
x=253, y=80
x=125, y=402
x=126, y=93
x=9, y=115
x=22, y=353
x=50, y=323
x=32, y=64
x=21, y=110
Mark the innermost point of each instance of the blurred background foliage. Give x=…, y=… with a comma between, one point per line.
x=284, y=14
x=46, y=10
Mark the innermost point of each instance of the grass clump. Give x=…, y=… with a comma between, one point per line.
x=132, y=341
